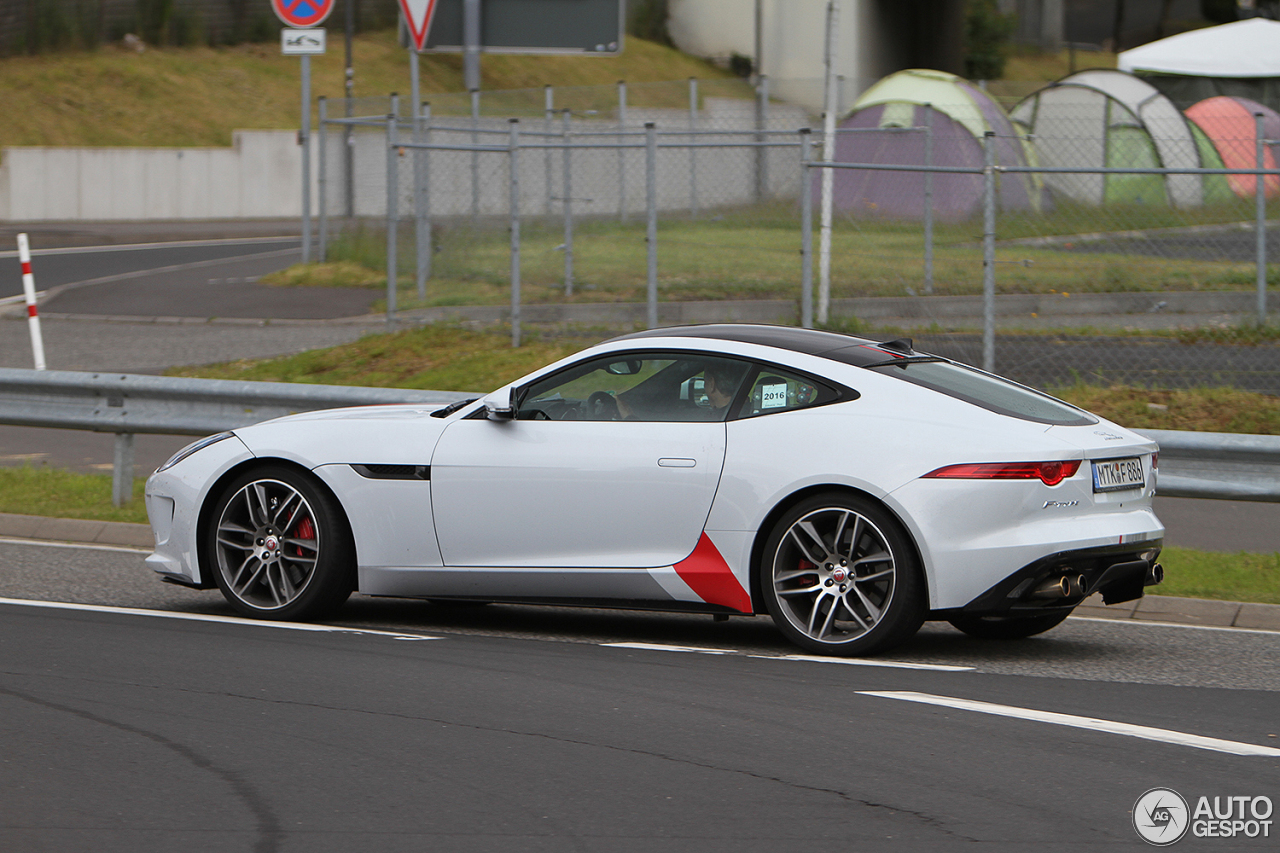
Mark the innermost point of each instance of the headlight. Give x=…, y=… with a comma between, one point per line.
x=201, y=444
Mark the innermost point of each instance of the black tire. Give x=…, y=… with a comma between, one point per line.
x=279, y=547
x=855, y=589
x=1006, y=627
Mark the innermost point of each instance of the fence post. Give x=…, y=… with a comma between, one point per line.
x=422, y=199
x=122, y=469
x=622, y=152
x=393, y=212
x=322, y=179
x=651, y=208
x=806, y=230
x=513, y=150
x=693, y=152
x=989, y=252
x=349, y=156
x=1261, y=225
x=475, y=155
x=762, y=124
x=548, y=109
x=304, y=139
x=928, y=199
x=567, y=119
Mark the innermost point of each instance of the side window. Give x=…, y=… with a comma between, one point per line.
x=777, y=390
x=646, y=387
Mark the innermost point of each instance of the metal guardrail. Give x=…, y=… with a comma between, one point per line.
x=126, y=404
x=1225, y=466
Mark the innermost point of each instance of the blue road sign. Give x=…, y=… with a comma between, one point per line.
x=302, y=13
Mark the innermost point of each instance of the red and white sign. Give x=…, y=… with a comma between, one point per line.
x=418, y=14
x=302, y=13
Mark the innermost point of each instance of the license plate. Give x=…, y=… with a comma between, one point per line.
x=1115, y=474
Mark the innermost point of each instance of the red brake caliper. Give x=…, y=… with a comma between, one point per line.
x=305, y=530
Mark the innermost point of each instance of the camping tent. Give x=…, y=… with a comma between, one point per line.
x=1231, y=123
x=1241, y=58
x=1106, y=118
x=901, y=116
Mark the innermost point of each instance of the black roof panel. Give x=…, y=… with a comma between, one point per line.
x=849, y=349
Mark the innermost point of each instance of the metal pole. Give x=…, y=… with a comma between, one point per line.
x=514, y=203
x=393, y=192
x=693, y=152
x=421, y=200
x=828, y=155
x=475, y=155
x=651, y=208
x=414, y=96
x=806, y=230
x=759, y=46
x=568, y=205
x=322, y=179
x=471, y=44
x=122, y=469
x=349, y=84
x=762, y=122
x=622, y=152
x=989, y=252
x=548, y=108
x=304, y=139
x=33, y=312
x=1261, y=219
x=928, y=199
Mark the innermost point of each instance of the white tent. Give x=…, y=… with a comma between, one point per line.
x=1240, y=59
x=1248, y=48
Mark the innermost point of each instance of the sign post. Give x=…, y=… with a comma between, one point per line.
x=304, y=40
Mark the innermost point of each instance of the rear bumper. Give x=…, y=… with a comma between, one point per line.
x=1118, y=572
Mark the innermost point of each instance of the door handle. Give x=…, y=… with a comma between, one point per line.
x=677, y=462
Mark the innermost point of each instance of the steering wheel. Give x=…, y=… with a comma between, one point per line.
x=602, y=406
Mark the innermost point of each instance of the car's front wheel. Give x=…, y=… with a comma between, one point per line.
x=279, y=546
x=840, y=577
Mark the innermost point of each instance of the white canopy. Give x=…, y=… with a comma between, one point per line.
x=1248, y=48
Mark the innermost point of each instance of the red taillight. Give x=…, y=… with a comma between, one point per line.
x=1155, y=460
x=1049, y=473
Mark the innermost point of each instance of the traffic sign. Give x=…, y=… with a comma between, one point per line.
x=306, y=42
x=302, y=13
x=521, y=26
x=418, y=14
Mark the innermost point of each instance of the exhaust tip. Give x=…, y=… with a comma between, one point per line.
x=1155, y=575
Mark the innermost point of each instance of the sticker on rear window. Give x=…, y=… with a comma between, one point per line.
x=773, y=396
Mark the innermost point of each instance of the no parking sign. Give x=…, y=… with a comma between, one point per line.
x=302, y=13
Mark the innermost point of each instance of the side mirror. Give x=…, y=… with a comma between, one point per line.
x=501, y=405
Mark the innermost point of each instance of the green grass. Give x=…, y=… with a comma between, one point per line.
x=1239, y=576
x=54, y=492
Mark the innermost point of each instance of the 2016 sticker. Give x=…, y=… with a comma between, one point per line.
x=773, y=396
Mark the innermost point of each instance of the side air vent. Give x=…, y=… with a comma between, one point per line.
x=394, y=472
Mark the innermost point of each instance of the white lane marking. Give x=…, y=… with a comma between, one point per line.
x=86, y=546
x=133, y=247
x=892, y=664
x=662, y=648
x=1091, y=723
x=205, y=617
x=1174, y=625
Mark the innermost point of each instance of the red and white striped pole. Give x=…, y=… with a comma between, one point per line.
x=29, y=288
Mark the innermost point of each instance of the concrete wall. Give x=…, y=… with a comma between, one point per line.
x=260, y=175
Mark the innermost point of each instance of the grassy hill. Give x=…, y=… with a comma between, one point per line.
x=197, y=96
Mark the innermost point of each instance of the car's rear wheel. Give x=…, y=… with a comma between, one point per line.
x=840, y=577
x=279, y=546
x=1006, y=627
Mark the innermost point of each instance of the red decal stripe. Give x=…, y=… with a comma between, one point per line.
x=26, y=267
x=707, y=574
x=31, y=310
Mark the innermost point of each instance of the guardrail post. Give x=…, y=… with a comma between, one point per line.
x=806, y=230
x=651, y=231
x=1261, y=226
x=122, y=470
x=989, y=252
x=513, y=150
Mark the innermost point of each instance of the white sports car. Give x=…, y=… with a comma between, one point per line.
x=850, y=489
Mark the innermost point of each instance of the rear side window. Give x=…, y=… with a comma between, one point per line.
x=990, y=392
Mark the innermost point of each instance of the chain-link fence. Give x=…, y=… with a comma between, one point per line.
x=1125, y=256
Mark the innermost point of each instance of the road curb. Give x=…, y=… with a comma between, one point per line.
x=1152, y=608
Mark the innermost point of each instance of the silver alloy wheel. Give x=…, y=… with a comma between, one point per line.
x=834, y=575
x=268, y=544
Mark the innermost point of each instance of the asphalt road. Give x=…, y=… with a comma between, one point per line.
x=528, y=728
